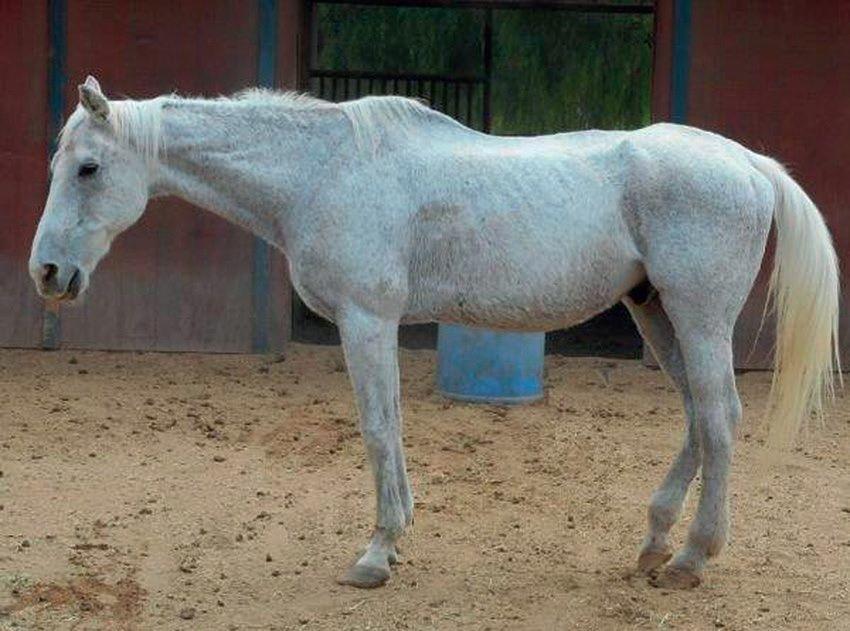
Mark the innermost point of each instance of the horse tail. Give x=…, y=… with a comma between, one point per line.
x=803, y=294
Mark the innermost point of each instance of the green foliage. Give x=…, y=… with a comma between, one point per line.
x=392, y=39
x=552, y=70
x=556, y=71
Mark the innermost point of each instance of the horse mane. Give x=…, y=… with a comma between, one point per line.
x=138, y=123
x=372, y=115
x=369, y=116
x=365, y=112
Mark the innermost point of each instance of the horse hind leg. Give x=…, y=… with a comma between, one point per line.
x=705, y=339
x=666, y=504
x=703, y=255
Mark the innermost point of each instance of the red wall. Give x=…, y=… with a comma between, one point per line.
x=773, y=76
x=767, y=73
x=23, y=163
x=181, y=279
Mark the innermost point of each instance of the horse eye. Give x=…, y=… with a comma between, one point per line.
x=87, y=169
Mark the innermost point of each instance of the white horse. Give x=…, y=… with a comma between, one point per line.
x=389, y=212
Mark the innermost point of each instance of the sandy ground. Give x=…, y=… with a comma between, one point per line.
x=151, y=491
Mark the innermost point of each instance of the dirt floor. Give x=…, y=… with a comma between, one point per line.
x=153, y=491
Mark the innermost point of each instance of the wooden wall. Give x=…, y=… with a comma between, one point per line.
x=23, y=163
x=181, y=279
x=771, y=75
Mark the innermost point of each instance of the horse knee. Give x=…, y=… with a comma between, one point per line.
x=375, y=441
x=379, y=434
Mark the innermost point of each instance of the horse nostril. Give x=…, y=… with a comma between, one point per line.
x=48, y=272
x=74, y=284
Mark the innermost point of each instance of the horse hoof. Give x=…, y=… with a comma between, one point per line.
x=651, y=560
x=676, y=578
x=364, y=576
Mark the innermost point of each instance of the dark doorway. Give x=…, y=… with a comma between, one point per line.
x=510, y=71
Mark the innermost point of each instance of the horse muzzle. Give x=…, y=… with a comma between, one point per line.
x=58, y=282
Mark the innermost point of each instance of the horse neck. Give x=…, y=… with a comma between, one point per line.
x=254, y=165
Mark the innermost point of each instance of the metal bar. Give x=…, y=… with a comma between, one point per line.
x=470, y=94
x=312, y=9
x=51, y=325
x=681, y=61
x=457, y=100
x=488, y=69
x=56, y=72
x=306, y=41
x=445, y=97
x=560, y=5
x=390, y=76
x=267, y=42
x=261, y=254
x=345, y=89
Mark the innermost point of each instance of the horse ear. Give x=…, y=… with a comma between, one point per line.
x=92, y=99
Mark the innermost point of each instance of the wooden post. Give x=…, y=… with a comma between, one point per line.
x=51, y=330
x=681, y=61
x=261, y=267
x=488, y=67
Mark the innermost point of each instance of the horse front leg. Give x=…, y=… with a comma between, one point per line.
x=370, y=344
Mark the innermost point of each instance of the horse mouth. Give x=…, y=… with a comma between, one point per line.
x=74, y=286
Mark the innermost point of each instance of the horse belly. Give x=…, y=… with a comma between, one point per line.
x=521, y=287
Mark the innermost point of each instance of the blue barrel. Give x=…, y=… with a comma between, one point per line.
x=489, y=367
